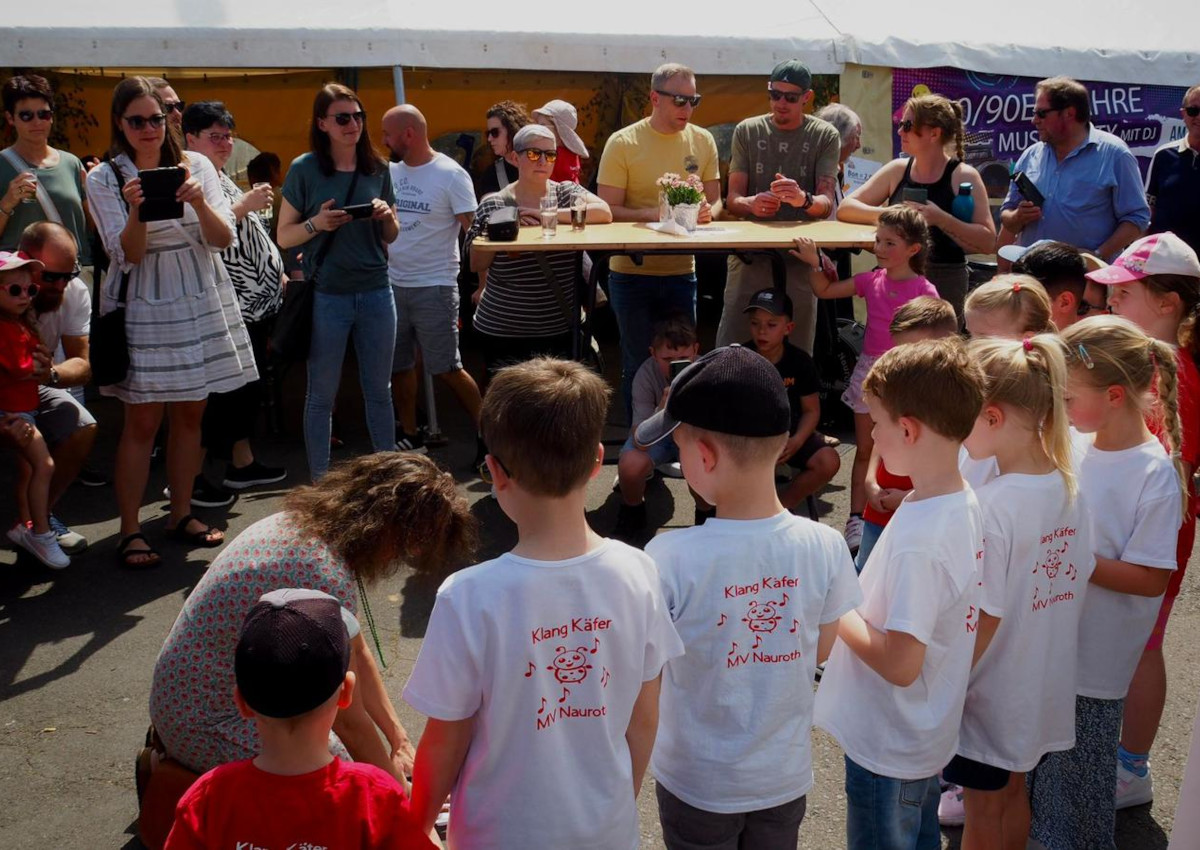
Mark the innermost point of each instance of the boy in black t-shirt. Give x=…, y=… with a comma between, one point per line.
x=806, y=450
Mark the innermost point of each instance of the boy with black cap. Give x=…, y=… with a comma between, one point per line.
x=770, y=312
x=755, y=594
x=292, y=666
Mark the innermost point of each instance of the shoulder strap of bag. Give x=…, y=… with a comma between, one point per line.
x=323, y=251
x=555, y=287
x=43, y=195
x=123, y=289
x=501, y=173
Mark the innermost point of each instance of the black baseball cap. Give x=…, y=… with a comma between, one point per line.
x=731, y=390
x=774, y=301
x=792, y=71
x=293, y=652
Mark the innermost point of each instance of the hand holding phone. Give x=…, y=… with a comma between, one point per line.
x=915, y=194
x=160, y=187
x=359, y=210
x=1029, y=191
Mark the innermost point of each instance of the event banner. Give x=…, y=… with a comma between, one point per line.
x=998, y=112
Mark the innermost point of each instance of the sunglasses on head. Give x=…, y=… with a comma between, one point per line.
x=485, y=474
x=1042, y=113
x=906, y=126
x=1192, y=111
x=534, y=155
x=28, y=115
x=789, y=96
x=139, y=122
x=344, y=118
x=15, y=289
x=61, y=277
x=177, y=106
x=494, y=132
x=680, y=99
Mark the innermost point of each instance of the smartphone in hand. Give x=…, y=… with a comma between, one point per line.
x=359, y=210
x=1029, y=191
x=678, y=366
x=159, y=186
x=913, y=193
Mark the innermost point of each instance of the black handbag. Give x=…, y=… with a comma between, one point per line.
x=291, y=338
x=109, y=345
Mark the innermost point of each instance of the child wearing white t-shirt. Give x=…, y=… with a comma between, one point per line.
x=755, y=594
x=893, y=689
x=1135, y=497
x=540, y=669
x=1037, y=559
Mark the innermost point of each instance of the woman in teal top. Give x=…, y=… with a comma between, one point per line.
x=352, y=291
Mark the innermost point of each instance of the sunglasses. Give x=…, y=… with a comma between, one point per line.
x=1086, y=308
x=485, y=474
x=28, y=115
x=61, y=277
x=344, y=118
x=906, y=126
x=494, y=133
x=535, y=155
x=1192, y=111
x=680, y=99
x=1042, y=113
x=177, y=106
x=217, y=138
x=15, y=289
x=139, y=122
x=789, y=96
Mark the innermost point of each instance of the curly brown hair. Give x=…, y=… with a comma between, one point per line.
x=512, y=116
x=380, y=510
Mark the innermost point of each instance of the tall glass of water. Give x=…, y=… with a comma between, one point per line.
x=549, y=209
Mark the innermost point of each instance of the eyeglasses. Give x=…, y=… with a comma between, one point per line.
x=176, y=106
x=139, y=122
x=61, y=277
x=494, y=132
x=1042, y=113
x=906, y=125
x=15, y=290
x=217, y=138
x=692, y=100
x=536, y=155
x=344, y=118
x=789, y=96
x=485, y=474
x=1086, y=308
x=28, y=115
x=1192, y=111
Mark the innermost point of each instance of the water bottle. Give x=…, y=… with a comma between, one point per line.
x=963, y=207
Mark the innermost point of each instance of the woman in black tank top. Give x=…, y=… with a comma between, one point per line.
x=928, y=124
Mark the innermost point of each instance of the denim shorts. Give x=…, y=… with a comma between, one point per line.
x=664, y=451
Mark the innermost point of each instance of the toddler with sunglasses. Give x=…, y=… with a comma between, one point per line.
x=19, y=395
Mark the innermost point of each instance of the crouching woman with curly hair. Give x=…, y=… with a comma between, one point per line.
x=360, y=522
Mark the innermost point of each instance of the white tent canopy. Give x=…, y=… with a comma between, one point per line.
x=1149, y=42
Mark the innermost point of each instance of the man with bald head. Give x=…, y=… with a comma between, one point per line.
x=63, y=308
x=434, y=201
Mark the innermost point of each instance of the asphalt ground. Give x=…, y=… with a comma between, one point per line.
x=77, y=647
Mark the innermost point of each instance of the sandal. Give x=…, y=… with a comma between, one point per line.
x=126, y=556
x=195, y=538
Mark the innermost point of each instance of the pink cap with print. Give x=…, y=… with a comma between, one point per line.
x=1162, y=253
x=10, y=260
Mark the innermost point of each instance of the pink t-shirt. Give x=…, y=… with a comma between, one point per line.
x=884, y=297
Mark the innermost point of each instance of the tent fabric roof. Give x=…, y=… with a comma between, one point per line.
x=1113, y=40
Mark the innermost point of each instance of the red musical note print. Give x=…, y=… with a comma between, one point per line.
x=785, y=599
x=604, y=678
x=595, y=645
x=566, y=693
x=757, y=641
x=732, y=651
x=529, y=672
x=795, y=625
x=542, y=710
x=721, y=621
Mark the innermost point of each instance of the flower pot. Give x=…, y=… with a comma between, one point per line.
x=686, y=215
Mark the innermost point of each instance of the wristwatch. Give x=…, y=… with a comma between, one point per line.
x=54, y=378
x=808, y=200
x=308, y=225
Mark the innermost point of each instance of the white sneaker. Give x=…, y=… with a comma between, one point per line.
x=45, y=548
x=1133, y=790
x=950, y=807
x=853, y=533
x=668, y=470
x=16, y=534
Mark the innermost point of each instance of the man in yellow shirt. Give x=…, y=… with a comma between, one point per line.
x=634, y=158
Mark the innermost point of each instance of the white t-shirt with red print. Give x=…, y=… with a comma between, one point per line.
x=748, y=598
x=1135, y=502
x=923, y=579
x=548, y=657
x=1037, y=560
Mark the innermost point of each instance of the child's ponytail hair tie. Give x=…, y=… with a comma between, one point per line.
x=1027, y=344
x=1017, y=286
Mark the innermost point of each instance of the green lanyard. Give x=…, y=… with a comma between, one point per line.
x=366, y=609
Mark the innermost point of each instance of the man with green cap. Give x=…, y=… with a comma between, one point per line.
x=783, y=167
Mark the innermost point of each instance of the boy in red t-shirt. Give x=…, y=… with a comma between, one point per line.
x=920, y=319
x=291, y=666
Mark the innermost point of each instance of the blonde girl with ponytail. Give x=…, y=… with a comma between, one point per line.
x=1135, y=496
x=931, y=133
x=1036, y=562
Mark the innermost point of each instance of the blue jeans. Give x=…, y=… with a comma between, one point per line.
x=639, y=301
x=870, y=537
x=371, y=316
x=890, y=814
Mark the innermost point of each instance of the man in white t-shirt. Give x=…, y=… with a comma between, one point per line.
x=893, y=690
x=540, y=669
x=434, y=202
x=755, y=593
x=63, y=307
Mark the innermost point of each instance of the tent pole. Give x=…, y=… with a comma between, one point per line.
x=398, y=82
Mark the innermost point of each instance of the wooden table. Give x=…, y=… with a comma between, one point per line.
x=636, y=239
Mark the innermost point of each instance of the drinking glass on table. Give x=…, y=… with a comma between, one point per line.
x=549, y=210
x=579, y=211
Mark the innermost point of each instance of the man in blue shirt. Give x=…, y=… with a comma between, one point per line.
x=1093, y=191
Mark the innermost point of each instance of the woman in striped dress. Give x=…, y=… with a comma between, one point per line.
x=185, y=332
